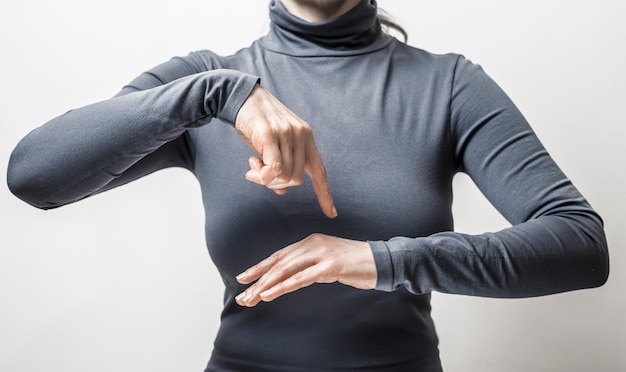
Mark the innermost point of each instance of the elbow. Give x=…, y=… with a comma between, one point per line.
x=22, y=188
x=25, y=182
x=597, y=263
x=584, y=263
x=601, y=278
x=597, y=273
x=601, y=267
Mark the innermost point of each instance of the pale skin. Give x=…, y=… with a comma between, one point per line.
x=318, y=10
x=287, y=151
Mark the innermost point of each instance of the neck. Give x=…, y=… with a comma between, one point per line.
x=318, y=10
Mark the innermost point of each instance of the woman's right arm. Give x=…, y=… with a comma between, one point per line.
x=99, y=146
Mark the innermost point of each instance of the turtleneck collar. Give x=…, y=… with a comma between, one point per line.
x=356, y=32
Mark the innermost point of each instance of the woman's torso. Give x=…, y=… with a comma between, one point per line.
x=381, y=123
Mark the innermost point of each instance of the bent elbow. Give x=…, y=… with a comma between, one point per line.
x=601, y=269
x=25, y=182
x=597, y=259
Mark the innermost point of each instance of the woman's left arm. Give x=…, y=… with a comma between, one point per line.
x=556, y=242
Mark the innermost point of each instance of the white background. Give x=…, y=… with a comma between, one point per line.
x=122, y=282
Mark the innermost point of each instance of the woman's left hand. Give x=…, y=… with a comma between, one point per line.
x=316, y=259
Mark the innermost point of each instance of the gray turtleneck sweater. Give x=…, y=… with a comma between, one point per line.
x=393, y=124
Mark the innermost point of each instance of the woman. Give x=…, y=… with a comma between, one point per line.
x=393, y=124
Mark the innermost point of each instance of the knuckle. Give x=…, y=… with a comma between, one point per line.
x=318, y=242
x=275, y=256
x=324, y=193
x=317, y=172
x=296, y=180
x=302, y=131
x=285, y=133
x=322, y=170
x=287, y=266
x=315, y=238
x=264, y=282
x=297, y=277
x=278, y=266
x=305, y=127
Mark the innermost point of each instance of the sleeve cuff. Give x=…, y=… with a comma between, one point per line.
x=384, y=266
x=240, y=92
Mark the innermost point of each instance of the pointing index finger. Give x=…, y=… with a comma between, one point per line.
x=314, y=166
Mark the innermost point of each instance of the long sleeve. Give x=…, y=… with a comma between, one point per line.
x=100, y=146
x=556, y=242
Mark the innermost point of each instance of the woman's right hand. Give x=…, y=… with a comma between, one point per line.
x=286, y=147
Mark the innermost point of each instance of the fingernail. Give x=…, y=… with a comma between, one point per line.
x=335, y=214
x=243, y=297
x=241, y=276
x=265, y=294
